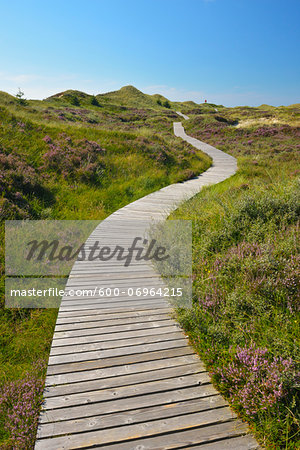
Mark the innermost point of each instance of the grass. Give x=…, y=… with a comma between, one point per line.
x=246, y=269
x=66, y=159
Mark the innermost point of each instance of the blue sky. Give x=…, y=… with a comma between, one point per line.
x=233, y=52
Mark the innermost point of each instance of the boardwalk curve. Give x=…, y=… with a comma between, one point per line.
x=121, y=374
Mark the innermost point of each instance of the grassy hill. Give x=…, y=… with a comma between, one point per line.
x=130, y=97
x=127, y=96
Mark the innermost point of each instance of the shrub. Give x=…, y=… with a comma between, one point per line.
x=81, y=160
x=74, y=100
x=255, y=380
x=20, y=98
x=20, y=403
x=94, y=101
x=18, y=181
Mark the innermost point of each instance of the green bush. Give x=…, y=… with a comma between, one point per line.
x=94, y=101
x=74, y=100
x=20, y=98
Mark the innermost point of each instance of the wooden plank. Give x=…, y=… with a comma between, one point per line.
x=61, y=319
x=106, y=321
x=88, y=356
x=113, y=277
x=104, y=315
x=112, y=302
x=119, y=360
x=94, y=331
x=130, y=417
x=183, y=439
x=101, y=395
x=100, y=328
x=117, y=269
x=237, y=443
x=125, y=404
x=114, y=343
x=125, y=380
x=99, y=311
x=116, y=307
x=112, y=435
x=114, y=336
x=125, y=369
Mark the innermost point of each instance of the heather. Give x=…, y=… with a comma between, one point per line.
x=20, y=404
x=246, y=269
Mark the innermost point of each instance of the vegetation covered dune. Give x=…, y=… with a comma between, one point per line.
x=246, y=268
x=78, y=156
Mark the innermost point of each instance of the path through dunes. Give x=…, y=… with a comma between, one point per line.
x=121, y=374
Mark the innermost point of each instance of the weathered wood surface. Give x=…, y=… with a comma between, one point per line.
x=121, y=374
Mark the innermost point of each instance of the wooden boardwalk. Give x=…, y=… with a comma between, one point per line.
x=121, y=374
